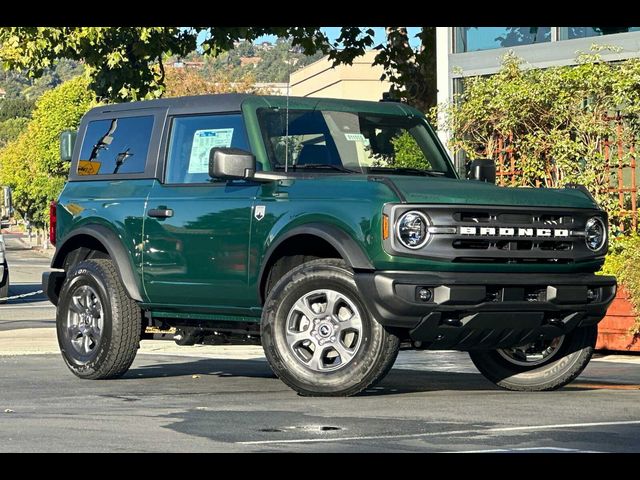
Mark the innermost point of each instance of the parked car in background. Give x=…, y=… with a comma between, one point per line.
x=4, y=272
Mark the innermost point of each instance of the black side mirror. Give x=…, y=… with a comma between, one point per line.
x=482, y=169
x=67, y=141
x=230, y=163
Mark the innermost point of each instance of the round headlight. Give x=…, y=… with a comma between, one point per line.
x=412, y=229
x=595, y=234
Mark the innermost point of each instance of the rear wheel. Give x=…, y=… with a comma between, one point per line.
x=98, y=325
x=318, y=336
x=541, y=365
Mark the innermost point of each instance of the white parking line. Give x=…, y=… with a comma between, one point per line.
x=19, y=307
x=526, y=428
x=530, y=449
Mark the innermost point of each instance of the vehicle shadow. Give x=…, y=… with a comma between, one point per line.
x=398, y=381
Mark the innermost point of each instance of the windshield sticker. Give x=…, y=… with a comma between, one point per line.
x=355, y=137
x=203, y=142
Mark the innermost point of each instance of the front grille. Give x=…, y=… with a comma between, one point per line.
x=475, y=234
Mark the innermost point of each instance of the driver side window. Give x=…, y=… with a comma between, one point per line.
x=191, y=139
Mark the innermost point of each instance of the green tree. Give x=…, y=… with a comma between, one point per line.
x=15, y=108
x=408, y=153
x=11, y=128
x=30, y=164
x=13, y=82
x=126, y=63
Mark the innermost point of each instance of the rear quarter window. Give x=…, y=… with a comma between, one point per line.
x=115, y=146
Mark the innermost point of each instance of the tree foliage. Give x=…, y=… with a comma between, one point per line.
x=15, y=108
x=187, y=81
x=557, y=117
x=11, y=128
x=126, y=63
x=274, y=64
x=407, y=153
x=622, y=261
x=19, y=86
x=30, y=164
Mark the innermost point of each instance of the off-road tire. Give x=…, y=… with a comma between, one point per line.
x=121, y=333
x=569, y=362
x=374, y=358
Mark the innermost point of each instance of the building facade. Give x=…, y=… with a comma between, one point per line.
x=360, y=81
x=472, y=51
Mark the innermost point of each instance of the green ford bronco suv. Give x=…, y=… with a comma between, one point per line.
x=334, y=232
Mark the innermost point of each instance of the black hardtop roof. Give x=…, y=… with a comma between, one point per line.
x=230, y=102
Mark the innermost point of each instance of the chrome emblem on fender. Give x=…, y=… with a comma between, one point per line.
x=258, y=213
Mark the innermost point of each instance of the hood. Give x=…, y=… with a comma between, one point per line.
x=470, y=192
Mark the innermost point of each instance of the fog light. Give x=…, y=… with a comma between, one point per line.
x=592, y=294
x=423, y=294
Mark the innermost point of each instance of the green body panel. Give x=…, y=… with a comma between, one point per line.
x=117, y=205
x=198, y=257
x=204, y=262
x=471, y=192
x=354, y=204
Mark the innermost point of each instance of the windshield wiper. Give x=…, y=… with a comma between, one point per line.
x=408, y=171
x=314, y=166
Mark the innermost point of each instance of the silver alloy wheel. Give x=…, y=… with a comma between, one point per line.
x=324, y=330
x=85, y=320
x=532, y=354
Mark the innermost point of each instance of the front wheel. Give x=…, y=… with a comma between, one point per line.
x=318, y=336
x=541, y=365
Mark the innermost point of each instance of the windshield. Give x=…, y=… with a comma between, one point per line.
x=351, y=142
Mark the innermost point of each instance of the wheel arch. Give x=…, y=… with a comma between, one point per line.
x=96, y=236
x=336, y=239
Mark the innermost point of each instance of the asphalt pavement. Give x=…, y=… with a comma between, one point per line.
x=226, y=399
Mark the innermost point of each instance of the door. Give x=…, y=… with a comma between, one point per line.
x=197, y=229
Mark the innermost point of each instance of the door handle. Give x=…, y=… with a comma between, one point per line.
x=160, y=212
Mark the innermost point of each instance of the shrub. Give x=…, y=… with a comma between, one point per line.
x=31, y=164
x=622, y=261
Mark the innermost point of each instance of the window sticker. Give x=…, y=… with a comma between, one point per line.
x=88, y=167
x=203, y=142
x=355, y=137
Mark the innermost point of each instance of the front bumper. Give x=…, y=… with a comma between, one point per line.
x=485, y=310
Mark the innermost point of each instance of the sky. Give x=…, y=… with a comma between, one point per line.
x=334, y=32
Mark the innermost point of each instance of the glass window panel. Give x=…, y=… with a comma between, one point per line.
x=472, y=39
x=113, y=146
x=569, y=33
x=193, y=137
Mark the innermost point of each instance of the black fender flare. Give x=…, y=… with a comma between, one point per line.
x=344, y=244
x=115, y=249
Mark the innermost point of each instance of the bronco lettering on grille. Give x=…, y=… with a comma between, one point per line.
x=514, y=232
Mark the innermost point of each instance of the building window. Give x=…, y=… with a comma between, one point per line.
x=569, y=33
x=472, y=39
